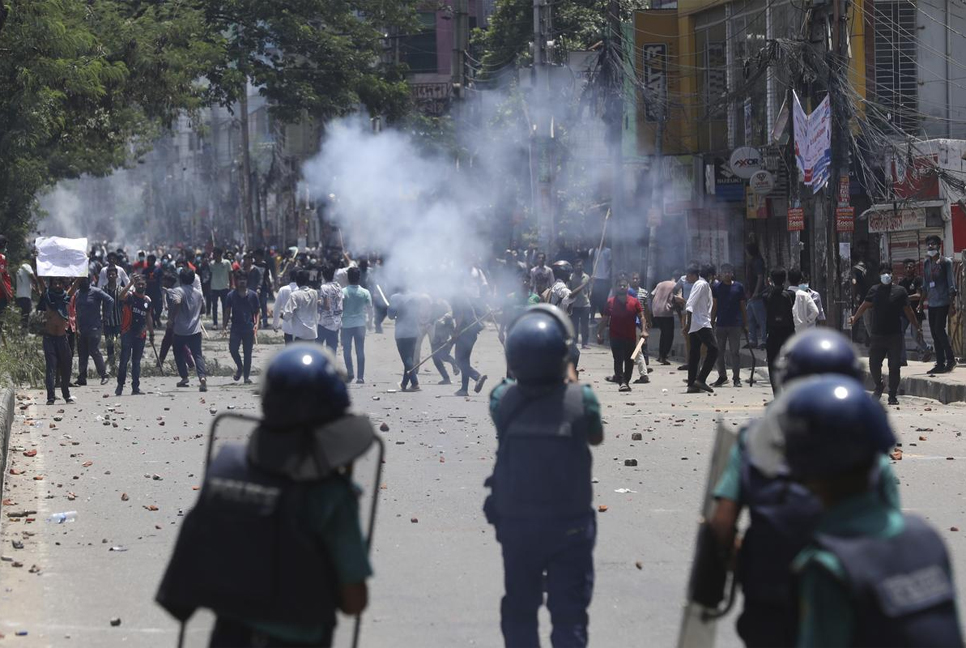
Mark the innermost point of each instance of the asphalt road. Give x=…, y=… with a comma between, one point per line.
x=438, y=569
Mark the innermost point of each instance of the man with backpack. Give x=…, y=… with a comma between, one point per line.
x=779, y=319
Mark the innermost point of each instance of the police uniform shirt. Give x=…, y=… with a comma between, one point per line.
x=827, y=615
x=332, y=514
x=594, y=426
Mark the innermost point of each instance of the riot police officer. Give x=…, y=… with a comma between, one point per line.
x=870, y=576
x=782, y=513
x=541, y=504
x=274, y=546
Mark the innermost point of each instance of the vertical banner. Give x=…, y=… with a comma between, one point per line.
x=813, y=142
x=796, y=219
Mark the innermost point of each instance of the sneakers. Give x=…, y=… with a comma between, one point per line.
x=624, y=388
x=50, y=401
x=703, y=386
x=203, y=387
x=893, y=400
x=182, y=383
x=414, y=388
x=693, y=389
x=720, y=381
x=70, y=399
x=611, y=379
x=119, y=391
x=360, y=381
x=642, y=380
x=736, y=382
x=248, y=381
x=462, y=392
x=137, y=392
x=105, y=380
x=237, y=376
x=479, y=383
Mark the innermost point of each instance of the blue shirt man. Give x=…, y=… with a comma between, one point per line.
x=242, y=311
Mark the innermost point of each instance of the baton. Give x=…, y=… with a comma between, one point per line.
x=603, y=234
x=156, y=356
x=465, y=329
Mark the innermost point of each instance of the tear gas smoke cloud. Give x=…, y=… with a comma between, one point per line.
x=387, y=196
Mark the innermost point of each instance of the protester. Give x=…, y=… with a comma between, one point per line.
x=468, y=323
x=189, y=303
x=330, y=309
x=280, y=300
x=242, y=315
x=755, y=275
x=541, y=276
x=682, y=292
x=779, y=303
x=619, y=317
x=112, y=316
x=267, y=284
x=301, y=309
x=26, y=284
x=135, y=326
x=221, y=283
x=90, y=303
x=804, y=310
x=938, y=295
x=731, y=319
x=122, y=277
x=580, y=309
x=55, y=303
x=913, y=286
x=888, y=303
x=663, y=312
x=154, y=287
x=356, y=314
x=444, y=331
x=699, y=308
x=402, y=309
x=6, y=289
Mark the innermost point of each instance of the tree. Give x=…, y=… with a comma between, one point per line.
x=85, y=84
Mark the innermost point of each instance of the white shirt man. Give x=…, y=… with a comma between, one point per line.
x=560, y=295
x=302, y=310
x=804, y=311
x=699, y=305
x=122, y=278
x=281, y=298
x=25, y=281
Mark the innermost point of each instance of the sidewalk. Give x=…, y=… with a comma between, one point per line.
x=945, y=388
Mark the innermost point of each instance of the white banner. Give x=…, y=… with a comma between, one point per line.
x=813, y=142
x=61, y=257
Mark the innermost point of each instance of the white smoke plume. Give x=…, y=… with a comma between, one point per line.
x=387, y=195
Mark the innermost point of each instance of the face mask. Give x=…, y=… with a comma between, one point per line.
x=803, y=286
x=885, y=279
x=932, y=253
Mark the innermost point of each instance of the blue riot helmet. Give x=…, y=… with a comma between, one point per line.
x=820, y=427
x=817, y=351
x=538, y=345
x=302, y=387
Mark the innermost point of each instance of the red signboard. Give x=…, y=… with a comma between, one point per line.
x=844, y=219
x=796, y=219
x=844, y=190
x=916, y=178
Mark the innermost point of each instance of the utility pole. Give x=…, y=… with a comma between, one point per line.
x=615, y=124
x=838, y=78
x=460, y=44
x=246, y=184
x=541, y=135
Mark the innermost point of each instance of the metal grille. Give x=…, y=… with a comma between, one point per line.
x=896, y=71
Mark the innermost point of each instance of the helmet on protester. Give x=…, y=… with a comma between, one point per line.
x=817, y=351
x=562, y=270
x=538, y=345
x=303, y=386
x=820, y=427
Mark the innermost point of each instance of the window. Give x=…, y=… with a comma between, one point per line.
x=418, y=50
x=896, y=76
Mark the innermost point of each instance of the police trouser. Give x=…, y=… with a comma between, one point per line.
x=763, y=624
x=132, y=350
x=229, y=633
x=561, y=548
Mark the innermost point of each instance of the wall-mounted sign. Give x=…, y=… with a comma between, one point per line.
x=762, y=182
x=845, y=219
x=744, y=161
x=796, y=219
x=901, y=220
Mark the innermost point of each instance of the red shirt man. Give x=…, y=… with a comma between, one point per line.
x=621, y=314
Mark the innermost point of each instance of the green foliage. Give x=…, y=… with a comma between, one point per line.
x=21, y=355
x=308, y=57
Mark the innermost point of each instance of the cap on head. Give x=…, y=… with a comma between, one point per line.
x=819, y=428
x=817, y=351
x=302, y=387
x=538, y=345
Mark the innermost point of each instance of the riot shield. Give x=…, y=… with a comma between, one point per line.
x=707, y=579
x=231, y=427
